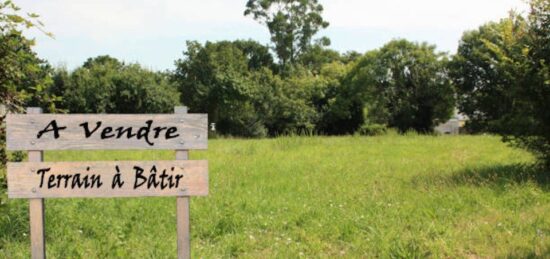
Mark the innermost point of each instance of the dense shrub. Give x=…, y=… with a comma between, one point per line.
x=372, y=130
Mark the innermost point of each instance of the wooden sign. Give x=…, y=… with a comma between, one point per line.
x=107, y=179
x=102, y=131
x=36, y=180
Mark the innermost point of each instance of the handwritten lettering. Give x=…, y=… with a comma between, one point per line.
x=152, y=178
x=69, y=180
x=148, y=133
x=152, y=181
x=52, y=126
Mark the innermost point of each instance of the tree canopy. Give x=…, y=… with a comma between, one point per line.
x=291, y=23
x=107, y=85
x=24, y=77
x=502, y=75
x=217, y=79
x=402, y=85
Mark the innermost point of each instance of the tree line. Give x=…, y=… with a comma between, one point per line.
x=499, y=78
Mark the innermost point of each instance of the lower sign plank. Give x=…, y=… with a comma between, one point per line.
x=107, y=179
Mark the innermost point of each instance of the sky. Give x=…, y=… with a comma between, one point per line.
x=153, y=32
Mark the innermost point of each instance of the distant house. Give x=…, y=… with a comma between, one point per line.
x=453, y=125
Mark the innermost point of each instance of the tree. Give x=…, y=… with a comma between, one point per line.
x=501, y=71
x=415, y=89
x=350, y=56
x=291, y=23
x=483, y=77
x=217, y=79
x=315, y=57
x=342, y=108
x=402, y=85
x=293, y=111
x=250, y=101
x=536, y=137
x=106, y=85
x=89, y=88
x=258, y=55
x=24, y=78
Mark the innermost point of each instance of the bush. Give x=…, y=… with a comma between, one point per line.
x=372, y=129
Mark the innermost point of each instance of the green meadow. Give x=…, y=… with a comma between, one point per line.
x=388, y=196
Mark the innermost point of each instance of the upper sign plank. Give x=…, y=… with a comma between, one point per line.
x=106, y=131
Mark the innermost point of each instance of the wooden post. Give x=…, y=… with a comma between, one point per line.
x=182, y=207
x=36, y=208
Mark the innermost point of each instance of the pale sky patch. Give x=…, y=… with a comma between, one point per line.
x=153, y=32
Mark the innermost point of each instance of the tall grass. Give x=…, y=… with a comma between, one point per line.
x=387, y=196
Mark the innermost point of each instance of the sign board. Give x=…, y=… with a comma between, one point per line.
x=102, y=131
x=35, y=179
x=107, y=179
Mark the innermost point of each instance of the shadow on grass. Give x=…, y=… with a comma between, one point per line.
x=493, y=176
x=529, y=254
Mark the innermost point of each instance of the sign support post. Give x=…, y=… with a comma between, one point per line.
x=182, y=207
x=36, y=207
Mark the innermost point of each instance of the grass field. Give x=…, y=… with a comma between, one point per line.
x=387, y=196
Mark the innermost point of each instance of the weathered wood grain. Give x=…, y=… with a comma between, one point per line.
x=36, y=208
x=182, y=208
x=23, y=129
x=24, y=179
